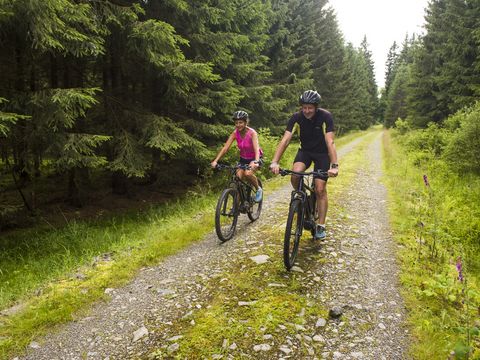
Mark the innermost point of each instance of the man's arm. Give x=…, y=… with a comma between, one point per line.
x=332, y=153
x=282, y=146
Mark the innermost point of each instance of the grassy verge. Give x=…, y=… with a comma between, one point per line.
x=51, y=274
x=73, y=278
x=437, y=224
x=279, y=302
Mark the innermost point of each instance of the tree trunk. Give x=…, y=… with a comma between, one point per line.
x=74, y=193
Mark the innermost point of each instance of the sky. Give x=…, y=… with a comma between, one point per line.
x=382, y=21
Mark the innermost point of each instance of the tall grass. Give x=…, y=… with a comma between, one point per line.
x=436, y=217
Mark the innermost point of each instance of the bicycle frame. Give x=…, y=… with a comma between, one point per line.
x=238, y=184
x=304, y=190
x=235, y=199
x=301, y=214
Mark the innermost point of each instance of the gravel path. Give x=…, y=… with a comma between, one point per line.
x=360, y=281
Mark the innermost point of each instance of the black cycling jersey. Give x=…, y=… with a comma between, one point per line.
x=312, y=137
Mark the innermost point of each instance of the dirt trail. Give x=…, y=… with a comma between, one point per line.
x=360, y=277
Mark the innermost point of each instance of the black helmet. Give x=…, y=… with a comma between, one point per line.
x=310, y=97
x=240, y=115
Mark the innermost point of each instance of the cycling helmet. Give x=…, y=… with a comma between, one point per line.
x=310, y=97
x=240, y=115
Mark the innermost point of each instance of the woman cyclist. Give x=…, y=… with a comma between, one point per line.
x=250, y=152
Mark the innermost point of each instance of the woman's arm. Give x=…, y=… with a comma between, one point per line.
x=224, y=149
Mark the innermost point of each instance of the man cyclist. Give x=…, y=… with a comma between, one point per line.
x=316, y=146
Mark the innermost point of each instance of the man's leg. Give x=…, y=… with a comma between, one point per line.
x=322, y=206
x=299, y=167
x=322, y=200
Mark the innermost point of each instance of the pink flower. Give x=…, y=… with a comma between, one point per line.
x=459, y=269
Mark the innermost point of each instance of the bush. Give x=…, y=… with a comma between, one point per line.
x=431, y=140
x=402, y=126
x=463, y=148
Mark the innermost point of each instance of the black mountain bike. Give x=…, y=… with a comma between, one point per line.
x=302, y=213
x=238, y=198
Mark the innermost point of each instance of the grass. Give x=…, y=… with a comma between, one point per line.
x=435, y=225
x=132, y=242
x=54, y=274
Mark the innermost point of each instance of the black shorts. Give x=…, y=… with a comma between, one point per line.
x=248, y=161
x=320, y=160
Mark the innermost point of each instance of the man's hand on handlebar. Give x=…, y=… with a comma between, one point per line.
x=333, y=172
x=275, y=168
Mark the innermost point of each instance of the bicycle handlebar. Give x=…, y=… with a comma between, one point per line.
x=319, y=172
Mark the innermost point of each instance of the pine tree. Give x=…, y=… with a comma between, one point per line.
x=391, y=66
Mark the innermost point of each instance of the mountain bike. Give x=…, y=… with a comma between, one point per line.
x=238, y=198
x=302, y=213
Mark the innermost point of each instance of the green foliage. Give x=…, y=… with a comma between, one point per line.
x=442, y=65
x=431, y=140
x=442, y=216
x=160, y=88
x=402, y=126
x=129, y=157
x=463, y=146
x=60, y=25
x=78, y=150
x=161, y=133
x=64, y=106
x=8, y=119
x=397, y=96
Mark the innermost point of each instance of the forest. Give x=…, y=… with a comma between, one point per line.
x=126, y=90
x=134, y=98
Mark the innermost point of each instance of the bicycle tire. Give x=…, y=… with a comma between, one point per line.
x=315, y=213
x=226, y=214
x=293, y=232
x=255, y=209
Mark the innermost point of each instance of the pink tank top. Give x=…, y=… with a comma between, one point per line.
x=245, y=144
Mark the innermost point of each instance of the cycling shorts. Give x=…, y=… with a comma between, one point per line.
x=248, y=161
x=320, y=160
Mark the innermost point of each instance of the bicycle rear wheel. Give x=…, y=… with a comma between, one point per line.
x=293, y=232
x=256, y=208
x=226, y=214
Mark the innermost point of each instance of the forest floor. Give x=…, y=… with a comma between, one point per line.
x=235, y=300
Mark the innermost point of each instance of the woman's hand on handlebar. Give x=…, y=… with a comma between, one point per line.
x=214, y=164
x=254, y=165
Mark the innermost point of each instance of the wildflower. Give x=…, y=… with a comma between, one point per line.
x=459, y=269
x=425, y=180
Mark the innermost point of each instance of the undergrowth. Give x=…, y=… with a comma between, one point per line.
x=435, y=214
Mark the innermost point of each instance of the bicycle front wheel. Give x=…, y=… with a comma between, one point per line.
x=293, y=232
x=255, y=207
x=313, y=202
x=226, y=214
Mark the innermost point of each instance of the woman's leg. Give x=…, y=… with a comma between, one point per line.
x=251, y=178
